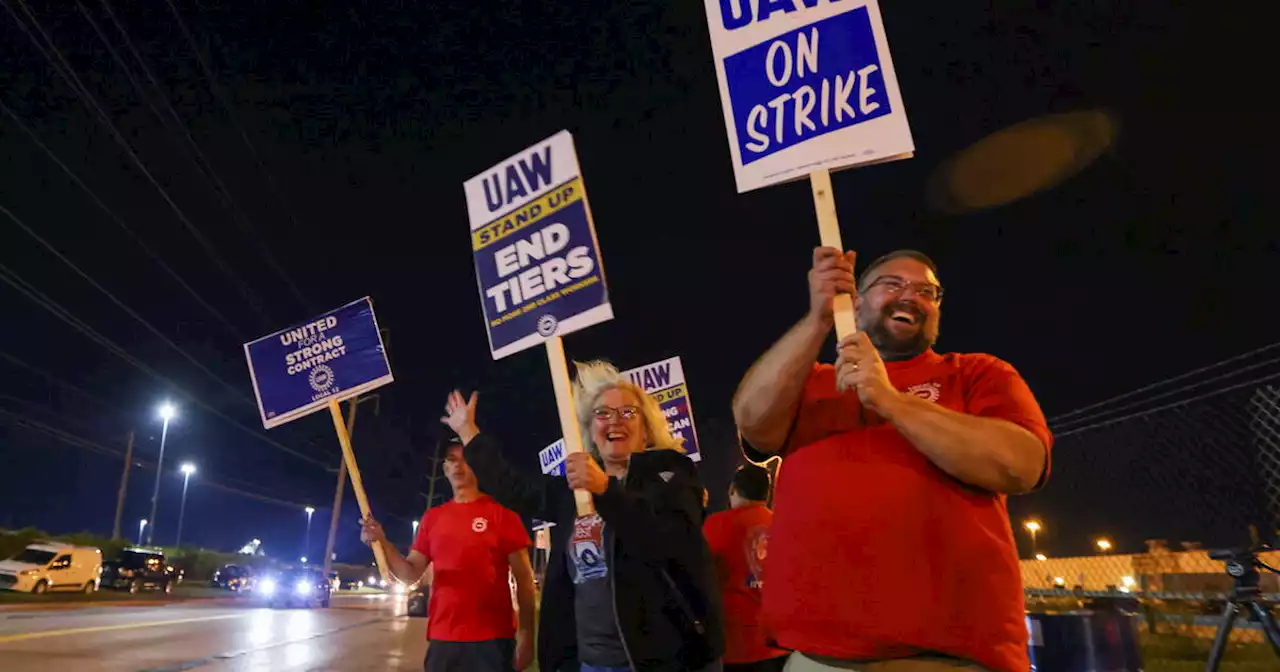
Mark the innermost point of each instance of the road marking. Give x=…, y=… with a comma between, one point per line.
x=209, y=660
x=5, y=639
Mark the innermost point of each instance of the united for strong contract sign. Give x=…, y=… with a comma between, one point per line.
x=334, y=356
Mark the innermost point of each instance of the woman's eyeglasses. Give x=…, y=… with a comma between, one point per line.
x=608, y=413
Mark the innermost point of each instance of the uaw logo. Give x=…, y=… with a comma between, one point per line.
x=547, y=325
x=929, y=391
x=321, y=378
x=479, y=524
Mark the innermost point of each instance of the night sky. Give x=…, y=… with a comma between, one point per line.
x=324, y=162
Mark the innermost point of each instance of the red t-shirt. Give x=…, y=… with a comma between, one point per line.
x=739, y=541
x=880, y=554
x=468, y=545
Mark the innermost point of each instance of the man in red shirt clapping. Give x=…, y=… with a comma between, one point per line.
x=893, y=549
x=470, y=543
x=739, y=542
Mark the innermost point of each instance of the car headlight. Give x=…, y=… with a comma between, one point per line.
x=268, y=587
x=302, y=588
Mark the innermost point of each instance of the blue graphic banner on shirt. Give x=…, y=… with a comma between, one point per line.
x=586, y=547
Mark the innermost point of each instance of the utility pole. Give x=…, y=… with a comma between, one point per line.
x=342, y=478
x=435, y=474
x=124, y=487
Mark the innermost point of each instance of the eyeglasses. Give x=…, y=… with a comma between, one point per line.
x=608, y=413
x=892, y=284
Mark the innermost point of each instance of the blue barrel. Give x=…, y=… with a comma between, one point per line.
x=1084, y=641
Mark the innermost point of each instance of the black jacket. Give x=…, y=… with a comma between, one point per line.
x=665, y=595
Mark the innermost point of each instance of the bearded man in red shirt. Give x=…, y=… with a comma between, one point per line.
x=892, y=546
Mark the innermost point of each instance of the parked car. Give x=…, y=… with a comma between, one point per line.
x=138, y=569
x=233, y=578
x=298, y=586
x=50, y=566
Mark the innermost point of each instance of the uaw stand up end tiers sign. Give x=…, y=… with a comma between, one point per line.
x=538, y=263
x=317, y=364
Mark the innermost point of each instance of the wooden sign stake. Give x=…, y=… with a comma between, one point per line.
x=568, y=418
x=824, y=202
x=357, y=484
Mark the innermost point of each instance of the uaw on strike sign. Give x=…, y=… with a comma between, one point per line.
x=537, y=260
x=335, y=356
x=805, y=85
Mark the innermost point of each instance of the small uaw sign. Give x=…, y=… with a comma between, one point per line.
x=335, y=356
x=551, y=459
x=537, y=260
x=805, y=85
x=664, y=381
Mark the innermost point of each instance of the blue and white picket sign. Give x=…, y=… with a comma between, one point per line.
x=805, y=85
x=335, y=356
x=537, y=260
x=551, y=459
x=664, y=381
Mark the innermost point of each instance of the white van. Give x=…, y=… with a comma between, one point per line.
x=47, y=566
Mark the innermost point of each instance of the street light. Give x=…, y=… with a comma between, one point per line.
x=142, y=524
x=166, y=413
x=306, y=542
x=187, y=469
x=1033, y=526
x=415, y=532
x=1104, y=545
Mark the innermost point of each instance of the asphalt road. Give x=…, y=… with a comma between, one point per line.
x=356, y=633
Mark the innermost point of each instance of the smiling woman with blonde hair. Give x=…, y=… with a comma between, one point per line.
x=635, y=590
x=598, y=377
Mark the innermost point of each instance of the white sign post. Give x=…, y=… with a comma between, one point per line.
x=807, y=87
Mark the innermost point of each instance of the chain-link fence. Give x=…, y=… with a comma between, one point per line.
x=1143, y=487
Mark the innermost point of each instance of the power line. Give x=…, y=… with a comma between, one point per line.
x=13, y=280
x=1140, y=414
x=69, y=76
x=1161, y=383
x=120, y=222
x=190, y=148
x=62, y=383
x=95, y=447
x=132, y=313
x=231, y=115
x=1170, y=393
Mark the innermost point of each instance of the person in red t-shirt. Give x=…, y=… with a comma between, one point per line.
x=470, y=543
x=739, y=542
x=897, y=462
